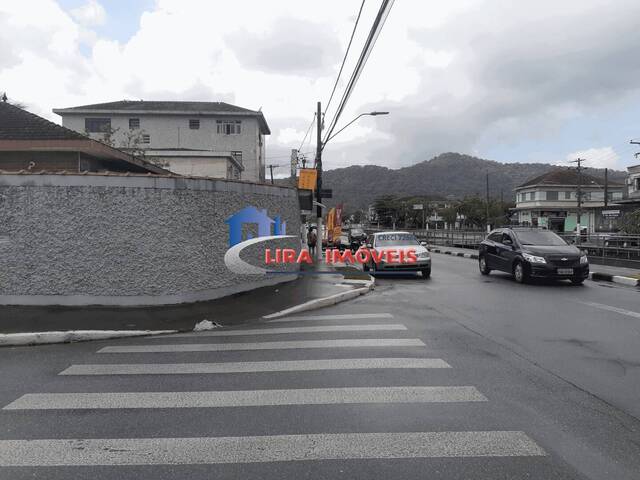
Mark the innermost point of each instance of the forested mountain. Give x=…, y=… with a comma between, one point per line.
x=447, y=175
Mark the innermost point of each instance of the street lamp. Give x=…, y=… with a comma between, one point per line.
x=319, y=148
x=372, y=114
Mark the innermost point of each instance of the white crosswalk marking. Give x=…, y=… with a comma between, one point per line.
x=248, y=367
x=184, y=450
x=276, y=448
x=284, y=330
x=344, y=316
x=249, y=398
x=219, y=347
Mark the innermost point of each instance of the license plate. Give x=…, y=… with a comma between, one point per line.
x=565, y=271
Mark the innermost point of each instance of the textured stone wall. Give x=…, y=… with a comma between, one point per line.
x=128, y=240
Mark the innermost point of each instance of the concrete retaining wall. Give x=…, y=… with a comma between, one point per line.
x=128, y=240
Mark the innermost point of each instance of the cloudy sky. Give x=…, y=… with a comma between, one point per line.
x=526, y=81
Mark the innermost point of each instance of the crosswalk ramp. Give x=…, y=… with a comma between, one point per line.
x=111, y=365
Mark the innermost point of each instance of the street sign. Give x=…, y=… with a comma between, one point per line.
x=418, y=206
x=326, y=193
x=305, y=198
x=308, y=178
x=611, y=213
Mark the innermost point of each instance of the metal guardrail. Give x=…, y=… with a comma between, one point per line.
x=448, y=238
x=607, y=245
x=602, y=245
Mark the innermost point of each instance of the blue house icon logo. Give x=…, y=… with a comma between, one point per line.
x=251, y=215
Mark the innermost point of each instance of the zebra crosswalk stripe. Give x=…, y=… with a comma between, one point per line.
x=245, y=398
x=249, y=367
x=285, y=330
x=268, y=448
x=299, y=344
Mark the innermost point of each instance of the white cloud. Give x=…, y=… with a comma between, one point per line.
x=451, y=73
x=90, y=14
x=604, y=157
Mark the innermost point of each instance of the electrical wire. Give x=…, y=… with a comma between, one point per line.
x=308, y=130
x=378, y=23
x=346, y=53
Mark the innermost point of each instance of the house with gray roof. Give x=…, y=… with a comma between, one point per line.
x=551, y=200
x=209, y=139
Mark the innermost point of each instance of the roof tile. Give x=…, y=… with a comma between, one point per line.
x=19, y=124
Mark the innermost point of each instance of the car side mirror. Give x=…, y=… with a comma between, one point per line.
x=369, y=245
x=424, y=244
x=507, y=243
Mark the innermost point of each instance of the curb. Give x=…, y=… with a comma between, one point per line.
x=594, y=276
x=454, y=254
x=607, y=277
x=41, y=338
x=316, y=303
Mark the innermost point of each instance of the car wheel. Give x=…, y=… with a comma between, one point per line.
x=520, y=273
x=577, y=281
x=484, y=268
x=426, y=272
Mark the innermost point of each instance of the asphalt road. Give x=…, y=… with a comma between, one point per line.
x=455, y=377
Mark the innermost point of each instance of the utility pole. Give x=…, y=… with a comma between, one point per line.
x=606, y=187
x=579, y=161
x=487, y=206
x=319, y=181
x=271, y=167
x=294, y=164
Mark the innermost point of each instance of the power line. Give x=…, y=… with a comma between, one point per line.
x=285, y=156
x=378, y=23
x=308, y=131
x=346, y=53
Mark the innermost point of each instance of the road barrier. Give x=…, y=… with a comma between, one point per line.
x=605, y=248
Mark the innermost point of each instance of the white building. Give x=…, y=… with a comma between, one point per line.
x=633, y=182
x=211, y=139
x=550, y=200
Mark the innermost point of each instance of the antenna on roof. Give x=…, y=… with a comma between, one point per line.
x=260, y=109
x=4, y=97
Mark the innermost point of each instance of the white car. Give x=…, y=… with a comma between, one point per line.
x=397, y=242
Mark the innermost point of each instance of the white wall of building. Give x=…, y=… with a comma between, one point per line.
x=173, y=132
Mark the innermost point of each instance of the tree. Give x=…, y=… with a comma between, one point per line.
x=387, y=209
x=631, y=222
x=450, y=215
x=132, y=142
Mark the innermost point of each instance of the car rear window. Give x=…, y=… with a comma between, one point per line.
x=541, y=238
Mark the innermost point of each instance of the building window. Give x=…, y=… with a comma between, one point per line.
x=532, y=195
x=228, y=127
x=97, y=125
x=194, y=124
x=637, y=182
x=134, y=123
x=567, y=195
x=237, y=156
x=146, y=138
x=552, y=195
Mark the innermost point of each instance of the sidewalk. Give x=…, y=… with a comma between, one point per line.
x=601, y=272
x=231, y=310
